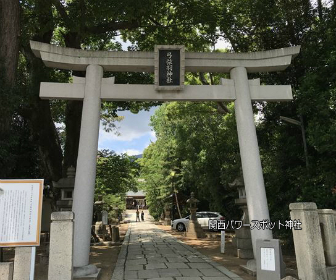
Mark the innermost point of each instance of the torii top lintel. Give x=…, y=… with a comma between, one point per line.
x=136, y=61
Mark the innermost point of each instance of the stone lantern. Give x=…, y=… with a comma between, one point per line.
x=102, y=219
x=167, y=213
x=66, y=185
x=242, y=240
x=194, y=229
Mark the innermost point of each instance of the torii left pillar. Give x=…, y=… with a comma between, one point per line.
x=86, y=170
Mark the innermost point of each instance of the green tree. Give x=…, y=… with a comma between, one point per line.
x=200, y=146
x=116, y=174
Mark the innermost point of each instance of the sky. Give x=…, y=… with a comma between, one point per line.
x=134, y=133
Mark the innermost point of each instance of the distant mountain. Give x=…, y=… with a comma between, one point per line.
x=138, y=156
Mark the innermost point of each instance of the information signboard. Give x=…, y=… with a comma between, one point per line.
x=270, y=265
x=20, y=212
x=169, y=67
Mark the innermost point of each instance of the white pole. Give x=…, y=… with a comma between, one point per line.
x=86, y=165
x=222, y=242
x=32, y=263
x=249, y=153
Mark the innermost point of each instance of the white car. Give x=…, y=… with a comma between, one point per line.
x=202, y=217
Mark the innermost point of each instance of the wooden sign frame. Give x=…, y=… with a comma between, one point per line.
x=16, y=200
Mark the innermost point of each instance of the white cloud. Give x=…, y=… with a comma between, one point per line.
x=153, y=136
x=131, y=152
x=133, y=126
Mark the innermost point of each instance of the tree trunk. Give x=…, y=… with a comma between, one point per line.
x=42, y=125
x=73, y=116
x=9, y=54
x=320, y=9
x=9, y=38
x=38, y=111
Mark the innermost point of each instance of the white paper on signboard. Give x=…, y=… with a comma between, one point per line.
x=20, y=212
x=267, y=259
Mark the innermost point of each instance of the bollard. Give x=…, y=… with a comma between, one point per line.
x=61, y=246
x=222, y=247
x=308, y=242
x=6, y=271
x=115, y=235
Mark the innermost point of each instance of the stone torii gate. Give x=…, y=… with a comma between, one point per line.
x=94, y=88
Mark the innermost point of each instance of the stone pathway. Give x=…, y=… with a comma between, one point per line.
x=150, y=253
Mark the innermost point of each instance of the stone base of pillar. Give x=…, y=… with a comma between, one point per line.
x=85, y=271
x=194, y=230
x=6, y=270
x=94, y=276
x=331, y=272
x=245, y=253
x=250, y=267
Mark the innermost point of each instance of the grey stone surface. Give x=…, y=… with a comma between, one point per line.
x=178, y=259
x=195, y=260
x=169, y=272
x=62, y=216
x=328, y=231
x=148, y=274
x=86, y=165
x=190, y=272
x=165, y=266
x=82, y=271
x=177, y=265
x=189, y=278
x=156, y=260
x=136, y=262
x=249, y=153
x=73, y=59
x=94, y=276
x=155, y=265
x=331, y=272
x=6, y=270
x=132, y=274
x=309, y=255
x=200, y=265
x=245, y=254
x=218, y=278
x=22, y=263
x=161, y=278
x=134, y=267
x=210, y=272
x=61, y=246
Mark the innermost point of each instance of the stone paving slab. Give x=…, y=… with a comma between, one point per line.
x=152, y=254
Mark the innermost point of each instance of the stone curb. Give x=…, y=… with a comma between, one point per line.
x=118, y=273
